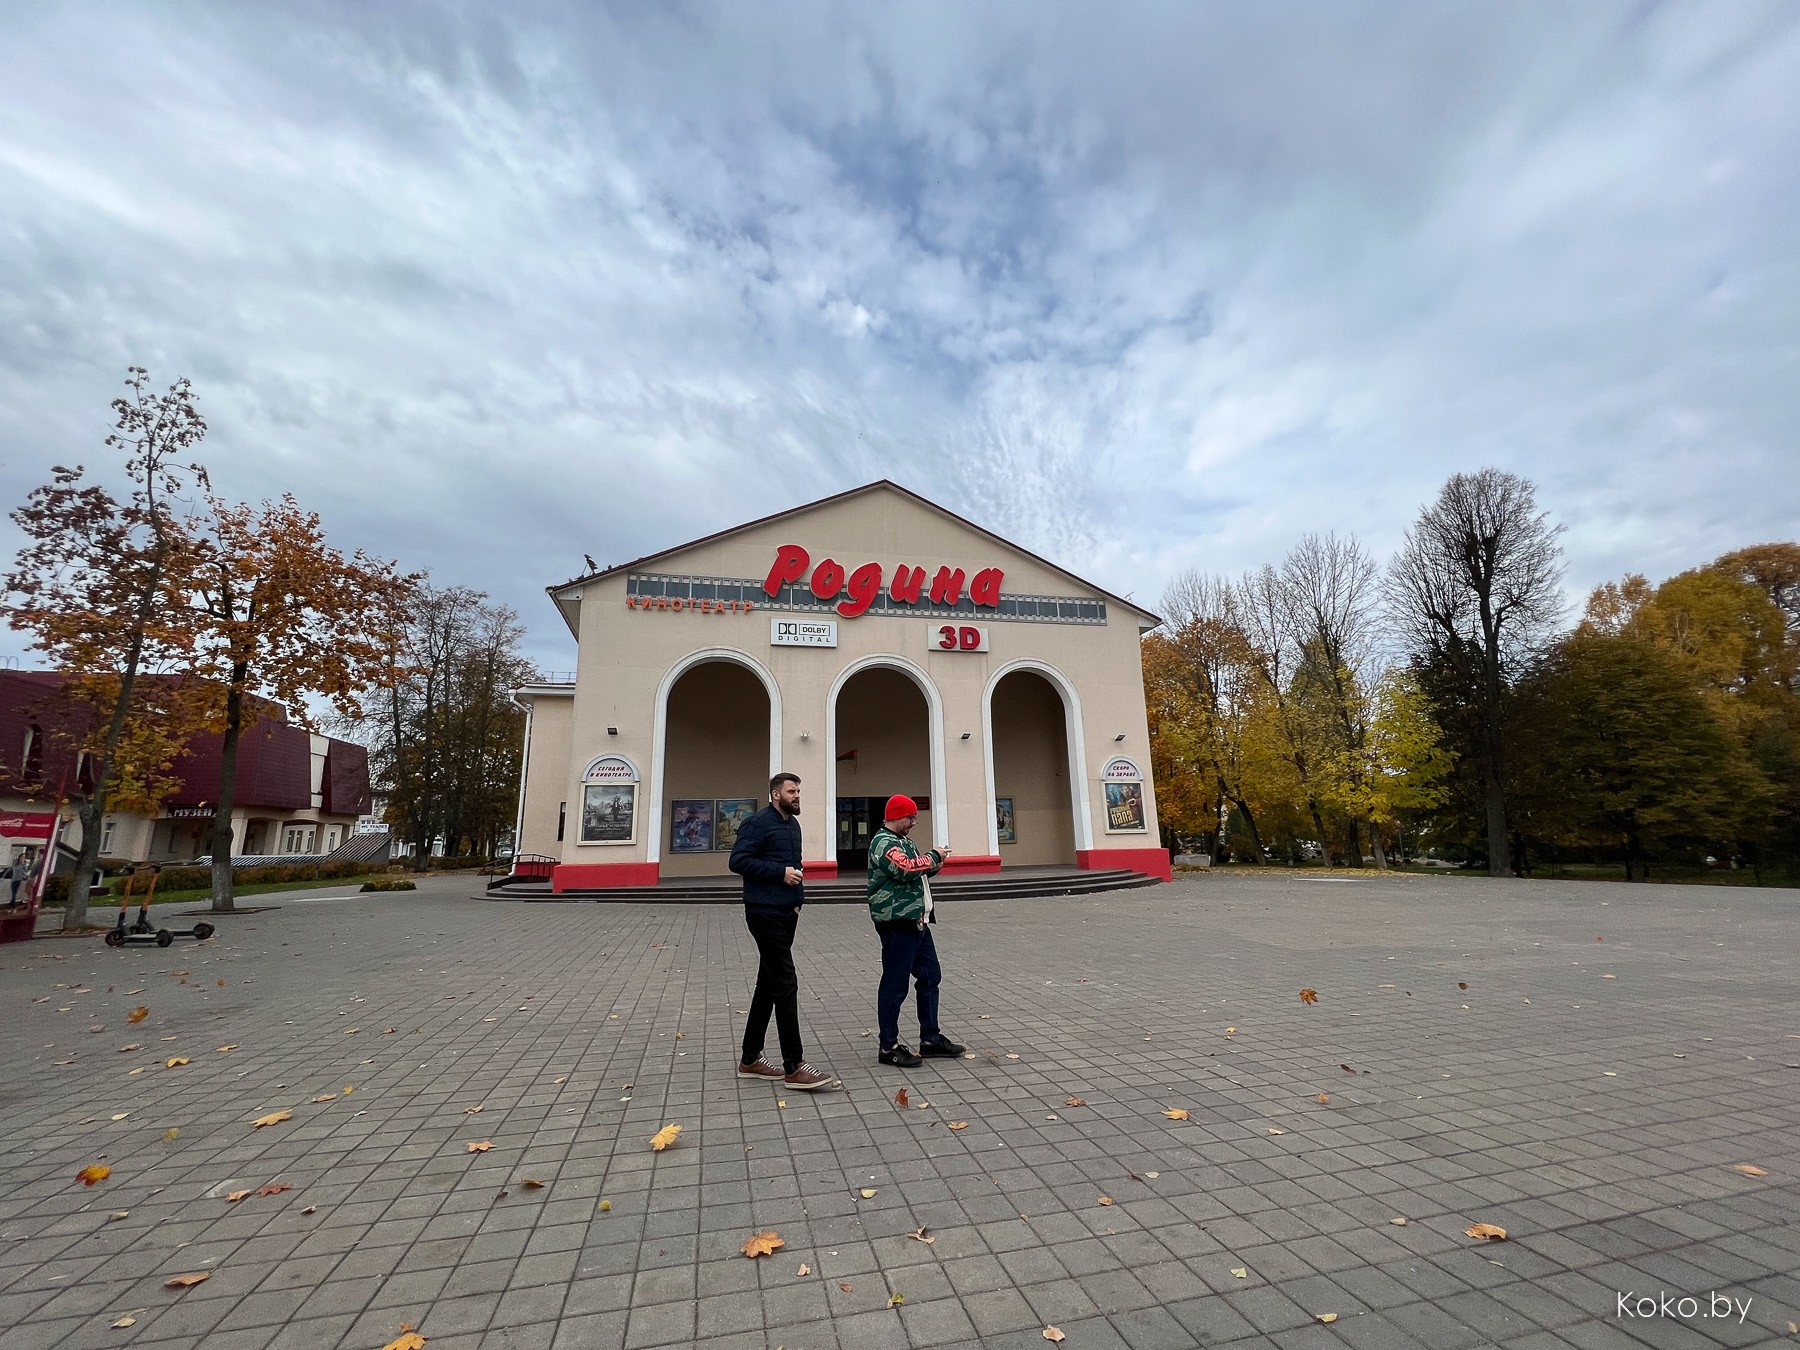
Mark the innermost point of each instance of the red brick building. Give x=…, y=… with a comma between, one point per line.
x=297, y=793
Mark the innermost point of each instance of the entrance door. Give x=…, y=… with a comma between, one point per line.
x=857, y=818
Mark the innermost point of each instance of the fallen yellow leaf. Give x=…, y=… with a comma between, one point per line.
x=1231, y=1031
x=1492, y=1232
x=804, y=1270
x=1750, y=1169
x=1323, y=1099
x=473, y=1110
x=232, y=1197
x=1176, y=1113
x=664, y=1137
x=175, y=1061
x=922, y=1234
x=407, y=1340
x=225, y=1049
x=1328, y=1318
x=126, y=1321
x=868, y=1192
x=1075, y=1101
x=187, y=1281
x=1273, y=1130
x=1106, y=1199
x=93, y=1174
x=276, y=1188
x=273, y=1118
x=481, y=1146
x=326, y=1097
x=137, y=1014
x=1054, y=1334
x=959, y=1124
x=1309, y=995
x=1398, y=1222
x=532, y=1184
x=896, y=1300
x=1241, y=1272
x=127, y=1049
x=170, y=1135
x=763, y=1244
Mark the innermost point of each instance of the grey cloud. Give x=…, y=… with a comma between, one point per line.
x=1143, y=287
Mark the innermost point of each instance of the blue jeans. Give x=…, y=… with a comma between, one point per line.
x=907, y=952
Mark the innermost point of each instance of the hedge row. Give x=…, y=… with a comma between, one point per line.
x=389, y=884
x=199, y=878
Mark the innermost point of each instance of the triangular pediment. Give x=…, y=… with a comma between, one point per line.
x=880, y=523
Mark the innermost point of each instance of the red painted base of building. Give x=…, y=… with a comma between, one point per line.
x=1152, y=862
x=969, y=864
x=586, y=876
x=820, y=869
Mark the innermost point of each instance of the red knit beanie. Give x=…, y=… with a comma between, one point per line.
x=899, y=807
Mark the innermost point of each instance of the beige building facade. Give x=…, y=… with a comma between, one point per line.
x=872, y=643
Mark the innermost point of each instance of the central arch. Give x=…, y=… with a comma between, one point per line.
x=934, y=721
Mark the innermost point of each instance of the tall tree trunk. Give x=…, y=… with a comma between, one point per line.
x=1250, y=824
x=1355, y=858
x=1312, y=806
x=1493, y=791
x=1381, y=858
x=87, y=858
x=222, y=900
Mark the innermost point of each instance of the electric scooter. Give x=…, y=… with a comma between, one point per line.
x=140, y=932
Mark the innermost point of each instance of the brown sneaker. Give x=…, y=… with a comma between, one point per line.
x=808, y=1079
x=761, y=1069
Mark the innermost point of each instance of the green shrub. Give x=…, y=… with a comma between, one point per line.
x=200, y=878
x=56, y=889
x=388, y=884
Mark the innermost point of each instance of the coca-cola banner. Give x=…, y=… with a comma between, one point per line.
x=27, y=824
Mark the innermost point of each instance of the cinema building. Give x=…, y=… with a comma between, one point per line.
x=873, y=643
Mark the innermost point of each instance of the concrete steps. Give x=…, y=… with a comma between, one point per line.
x=1034, y=884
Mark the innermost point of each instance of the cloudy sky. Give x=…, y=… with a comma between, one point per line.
x=1144, y=287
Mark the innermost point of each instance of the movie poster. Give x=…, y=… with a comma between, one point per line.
x=608, y=813
x=729, y=819
x=1125, y=808
x=691, y=825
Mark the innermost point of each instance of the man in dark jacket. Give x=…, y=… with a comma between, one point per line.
x=768, y=857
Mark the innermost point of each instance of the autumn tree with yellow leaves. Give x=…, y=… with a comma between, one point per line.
x=280, y=613
x=100, y=585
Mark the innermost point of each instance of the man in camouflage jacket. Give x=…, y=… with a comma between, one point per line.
x=900, y=905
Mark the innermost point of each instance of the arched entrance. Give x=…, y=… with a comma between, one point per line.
x=718, y=732
x=887, y=732
x=1033, y=734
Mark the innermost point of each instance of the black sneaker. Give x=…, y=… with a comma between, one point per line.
x=941, y=1046
x=900, y=1057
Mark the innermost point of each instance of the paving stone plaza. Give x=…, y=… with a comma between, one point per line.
x=1587, y=1066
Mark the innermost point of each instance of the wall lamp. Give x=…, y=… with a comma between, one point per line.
x=1119, y=737
x=612, y=731
x=965, y=735
x=806, y=735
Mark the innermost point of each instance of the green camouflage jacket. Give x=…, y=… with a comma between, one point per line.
x=897, y=872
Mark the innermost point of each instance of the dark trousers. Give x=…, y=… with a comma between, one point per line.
x=777, y=987
x=907, y=952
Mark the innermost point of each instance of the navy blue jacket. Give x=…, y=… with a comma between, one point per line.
x=767, y=844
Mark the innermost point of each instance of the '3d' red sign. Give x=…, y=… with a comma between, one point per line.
x=861, y=587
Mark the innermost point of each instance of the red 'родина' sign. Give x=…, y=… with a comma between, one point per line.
x=861, y=587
